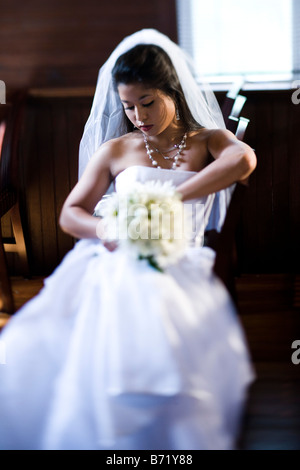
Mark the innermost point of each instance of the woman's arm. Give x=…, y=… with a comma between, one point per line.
x=76, y=217
x=233, y=161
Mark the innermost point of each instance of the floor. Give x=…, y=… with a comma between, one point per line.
x=271, y=321
x=272, y=421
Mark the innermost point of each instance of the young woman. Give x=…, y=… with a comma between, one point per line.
x=113, y=354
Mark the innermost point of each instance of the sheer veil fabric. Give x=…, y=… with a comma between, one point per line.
x=107, y=119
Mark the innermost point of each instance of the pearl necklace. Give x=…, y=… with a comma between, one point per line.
x=166, y=151
x=175, y=157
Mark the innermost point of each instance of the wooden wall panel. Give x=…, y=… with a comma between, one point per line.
x=294, y=186
x=63, y=42
x=270, y=225
x=271, y=215
x=51, y=135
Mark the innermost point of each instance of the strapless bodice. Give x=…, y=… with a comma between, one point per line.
x=198, y=210
x=145, y=173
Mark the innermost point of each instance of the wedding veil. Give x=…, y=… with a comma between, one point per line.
x=107, y=121
x=107, y=118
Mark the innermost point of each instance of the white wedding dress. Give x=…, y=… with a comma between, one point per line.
x=113, y=354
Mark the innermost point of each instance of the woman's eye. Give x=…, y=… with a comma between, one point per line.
x=148, y=104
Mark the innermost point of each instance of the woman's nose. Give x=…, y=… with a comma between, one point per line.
x=140, y=115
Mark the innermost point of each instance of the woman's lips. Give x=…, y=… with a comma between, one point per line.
x=146, y=128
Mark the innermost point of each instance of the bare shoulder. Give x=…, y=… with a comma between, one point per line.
x=110, y=151
x=205, y=135
x=221, y=135
x=110, y=147
x=118, y=145
x=218, y=139
x=221, y=142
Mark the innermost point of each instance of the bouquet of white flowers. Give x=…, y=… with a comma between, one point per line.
x=149, y=220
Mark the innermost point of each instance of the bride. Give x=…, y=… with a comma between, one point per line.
x=113, y=354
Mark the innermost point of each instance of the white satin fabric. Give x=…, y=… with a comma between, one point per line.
x=115, y=355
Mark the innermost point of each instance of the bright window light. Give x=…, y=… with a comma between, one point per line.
x=229, y=38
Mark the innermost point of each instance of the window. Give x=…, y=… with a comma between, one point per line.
x=230, y=38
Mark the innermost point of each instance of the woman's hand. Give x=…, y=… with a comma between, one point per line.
x=110, y=245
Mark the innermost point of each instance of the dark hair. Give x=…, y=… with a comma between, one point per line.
x=150, y=64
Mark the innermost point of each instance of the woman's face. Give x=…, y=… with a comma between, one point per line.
x=149, y=109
